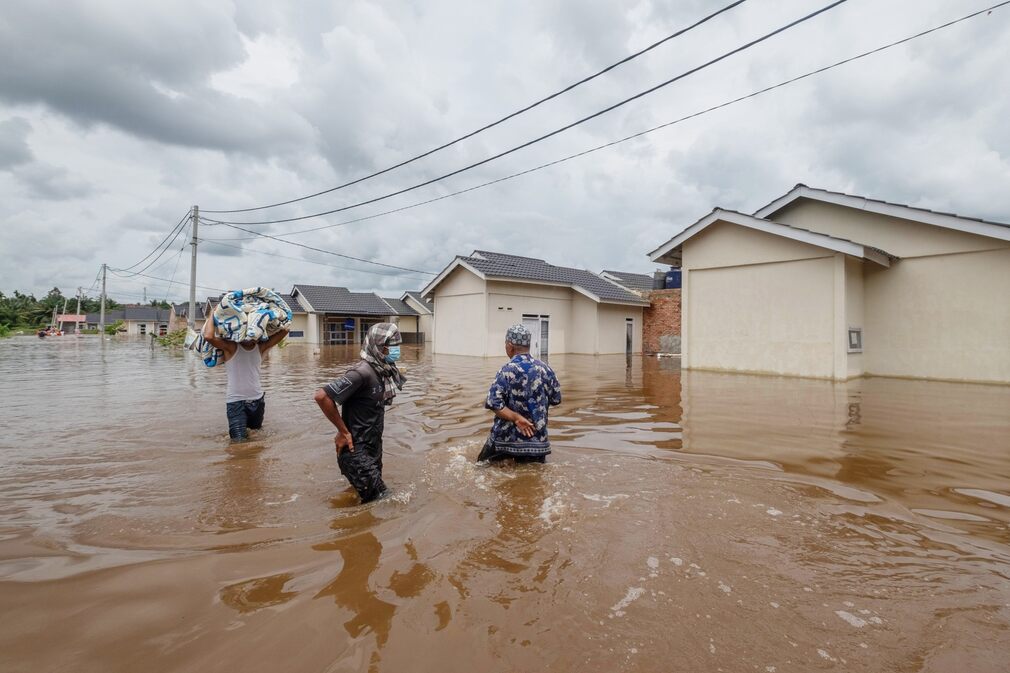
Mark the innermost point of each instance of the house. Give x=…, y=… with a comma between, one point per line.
x=425, y=312
x=179, y=318
x=478, y=296
x=137, y=320
x=407, y=319
x=337, y=316
x=831, y=285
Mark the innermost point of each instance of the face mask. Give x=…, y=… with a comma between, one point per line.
x=394, y=354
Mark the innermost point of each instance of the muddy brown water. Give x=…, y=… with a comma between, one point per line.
x=686, y=521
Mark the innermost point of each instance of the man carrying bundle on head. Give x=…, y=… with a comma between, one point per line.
x=522, y=392
x=363, y=393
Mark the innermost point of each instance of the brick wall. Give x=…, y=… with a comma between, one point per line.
x=661, y=322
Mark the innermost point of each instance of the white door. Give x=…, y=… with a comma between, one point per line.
x=532, y=323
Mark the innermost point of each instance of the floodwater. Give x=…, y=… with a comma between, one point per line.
x=686, y=521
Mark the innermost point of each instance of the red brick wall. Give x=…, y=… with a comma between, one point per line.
x=661, y=319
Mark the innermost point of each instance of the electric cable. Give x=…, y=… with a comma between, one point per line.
x=157, y=247
x=641, y=133
x=495, y=123
x=553, y=133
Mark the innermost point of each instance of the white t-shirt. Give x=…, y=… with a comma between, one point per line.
x=244, y=375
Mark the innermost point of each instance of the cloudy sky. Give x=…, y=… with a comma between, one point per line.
x=116, y=117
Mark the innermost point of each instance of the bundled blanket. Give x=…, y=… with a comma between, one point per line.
x=252, y=314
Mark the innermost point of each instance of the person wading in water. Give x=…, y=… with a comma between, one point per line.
x=245, y=400
x=363, y=393
x=519, y=397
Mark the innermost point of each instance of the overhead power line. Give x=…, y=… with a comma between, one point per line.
x=583, y=153
x=175, y=230
x=330, y=252
x=502, y=120
x=555, y=132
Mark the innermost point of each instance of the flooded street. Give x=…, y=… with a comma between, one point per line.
x=686, y=521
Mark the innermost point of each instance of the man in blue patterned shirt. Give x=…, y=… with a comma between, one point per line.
x=522, y=392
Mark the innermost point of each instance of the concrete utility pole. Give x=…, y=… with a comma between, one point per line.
x=65, y=300
x=191, y=317
x=77, y=327
x=101, y=314
x=145, y=295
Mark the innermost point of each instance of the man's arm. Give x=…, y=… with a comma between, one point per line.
x=210, y=337
x=274, y=340
x=523, y=424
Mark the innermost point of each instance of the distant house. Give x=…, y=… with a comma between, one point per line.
x=137, y=320
x=636, y=282
x=478, y=296
x=831, y=285
x=336, y=316
x=406, y=318
x=180, y=314
x=425, y=312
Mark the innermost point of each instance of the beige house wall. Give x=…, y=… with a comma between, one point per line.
x=584, y=336
x=300, y=322
x=460, y=300
x=612, y=330
x=854, y=314
x=406, y=323
x=426, y=324
x=760, y=303
x=901, y=238
x=508, y=302
x=944, y=317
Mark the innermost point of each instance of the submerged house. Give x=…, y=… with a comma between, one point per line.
x=336, y=316
x=137, y=320
x=478, y=296
x=830, y=285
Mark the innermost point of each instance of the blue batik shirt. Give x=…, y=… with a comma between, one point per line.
x=527, y=387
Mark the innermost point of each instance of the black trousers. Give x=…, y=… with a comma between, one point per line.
x=493, y=454
x=363, y=468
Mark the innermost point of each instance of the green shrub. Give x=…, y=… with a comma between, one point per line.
x=114, y=327
x=174, y=339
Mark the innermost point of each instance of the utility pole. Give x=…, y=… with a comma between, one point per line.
x=77, y=327
x=65, y=300
x=191, y=317
x=145, y=295
x=101, y=315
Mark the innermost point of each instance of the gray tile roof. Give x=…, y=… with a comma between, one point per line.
x=498, y=265
x=293, y=304
x=399, y=307
x=416, y=296
x=632, y=281
x=329, y=299
x=137, y=313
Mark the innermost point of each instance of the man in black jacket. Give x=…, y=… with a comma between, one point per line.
x=363, y=392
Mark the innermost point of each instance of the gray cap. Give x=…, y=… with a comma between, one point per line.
x=518, y=335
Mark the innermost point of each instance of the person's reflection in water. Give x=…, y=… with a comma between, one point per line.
x=351, y=588
x=234, y=497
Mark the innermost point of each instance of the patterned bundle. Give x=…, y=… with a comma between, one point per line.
x=252, y=314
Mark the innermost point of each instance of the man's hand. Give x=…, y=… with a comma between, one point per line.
x=343, y=441
x=524, y=426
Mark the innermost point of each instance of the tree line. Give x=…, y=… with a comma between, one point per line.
x=24, y=310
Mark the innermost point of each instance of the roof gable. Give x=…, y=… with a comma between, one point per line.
x=426, y=306
x=971, y=225
x=638, y=282
x=500, y=266
x=670, y=251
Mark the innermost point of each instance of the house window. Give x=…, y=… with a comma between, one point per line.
x=367, y=325
x=162, y=330
x=296, y=334
x=855, y=339
x=340, y=331
x=143, y=328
